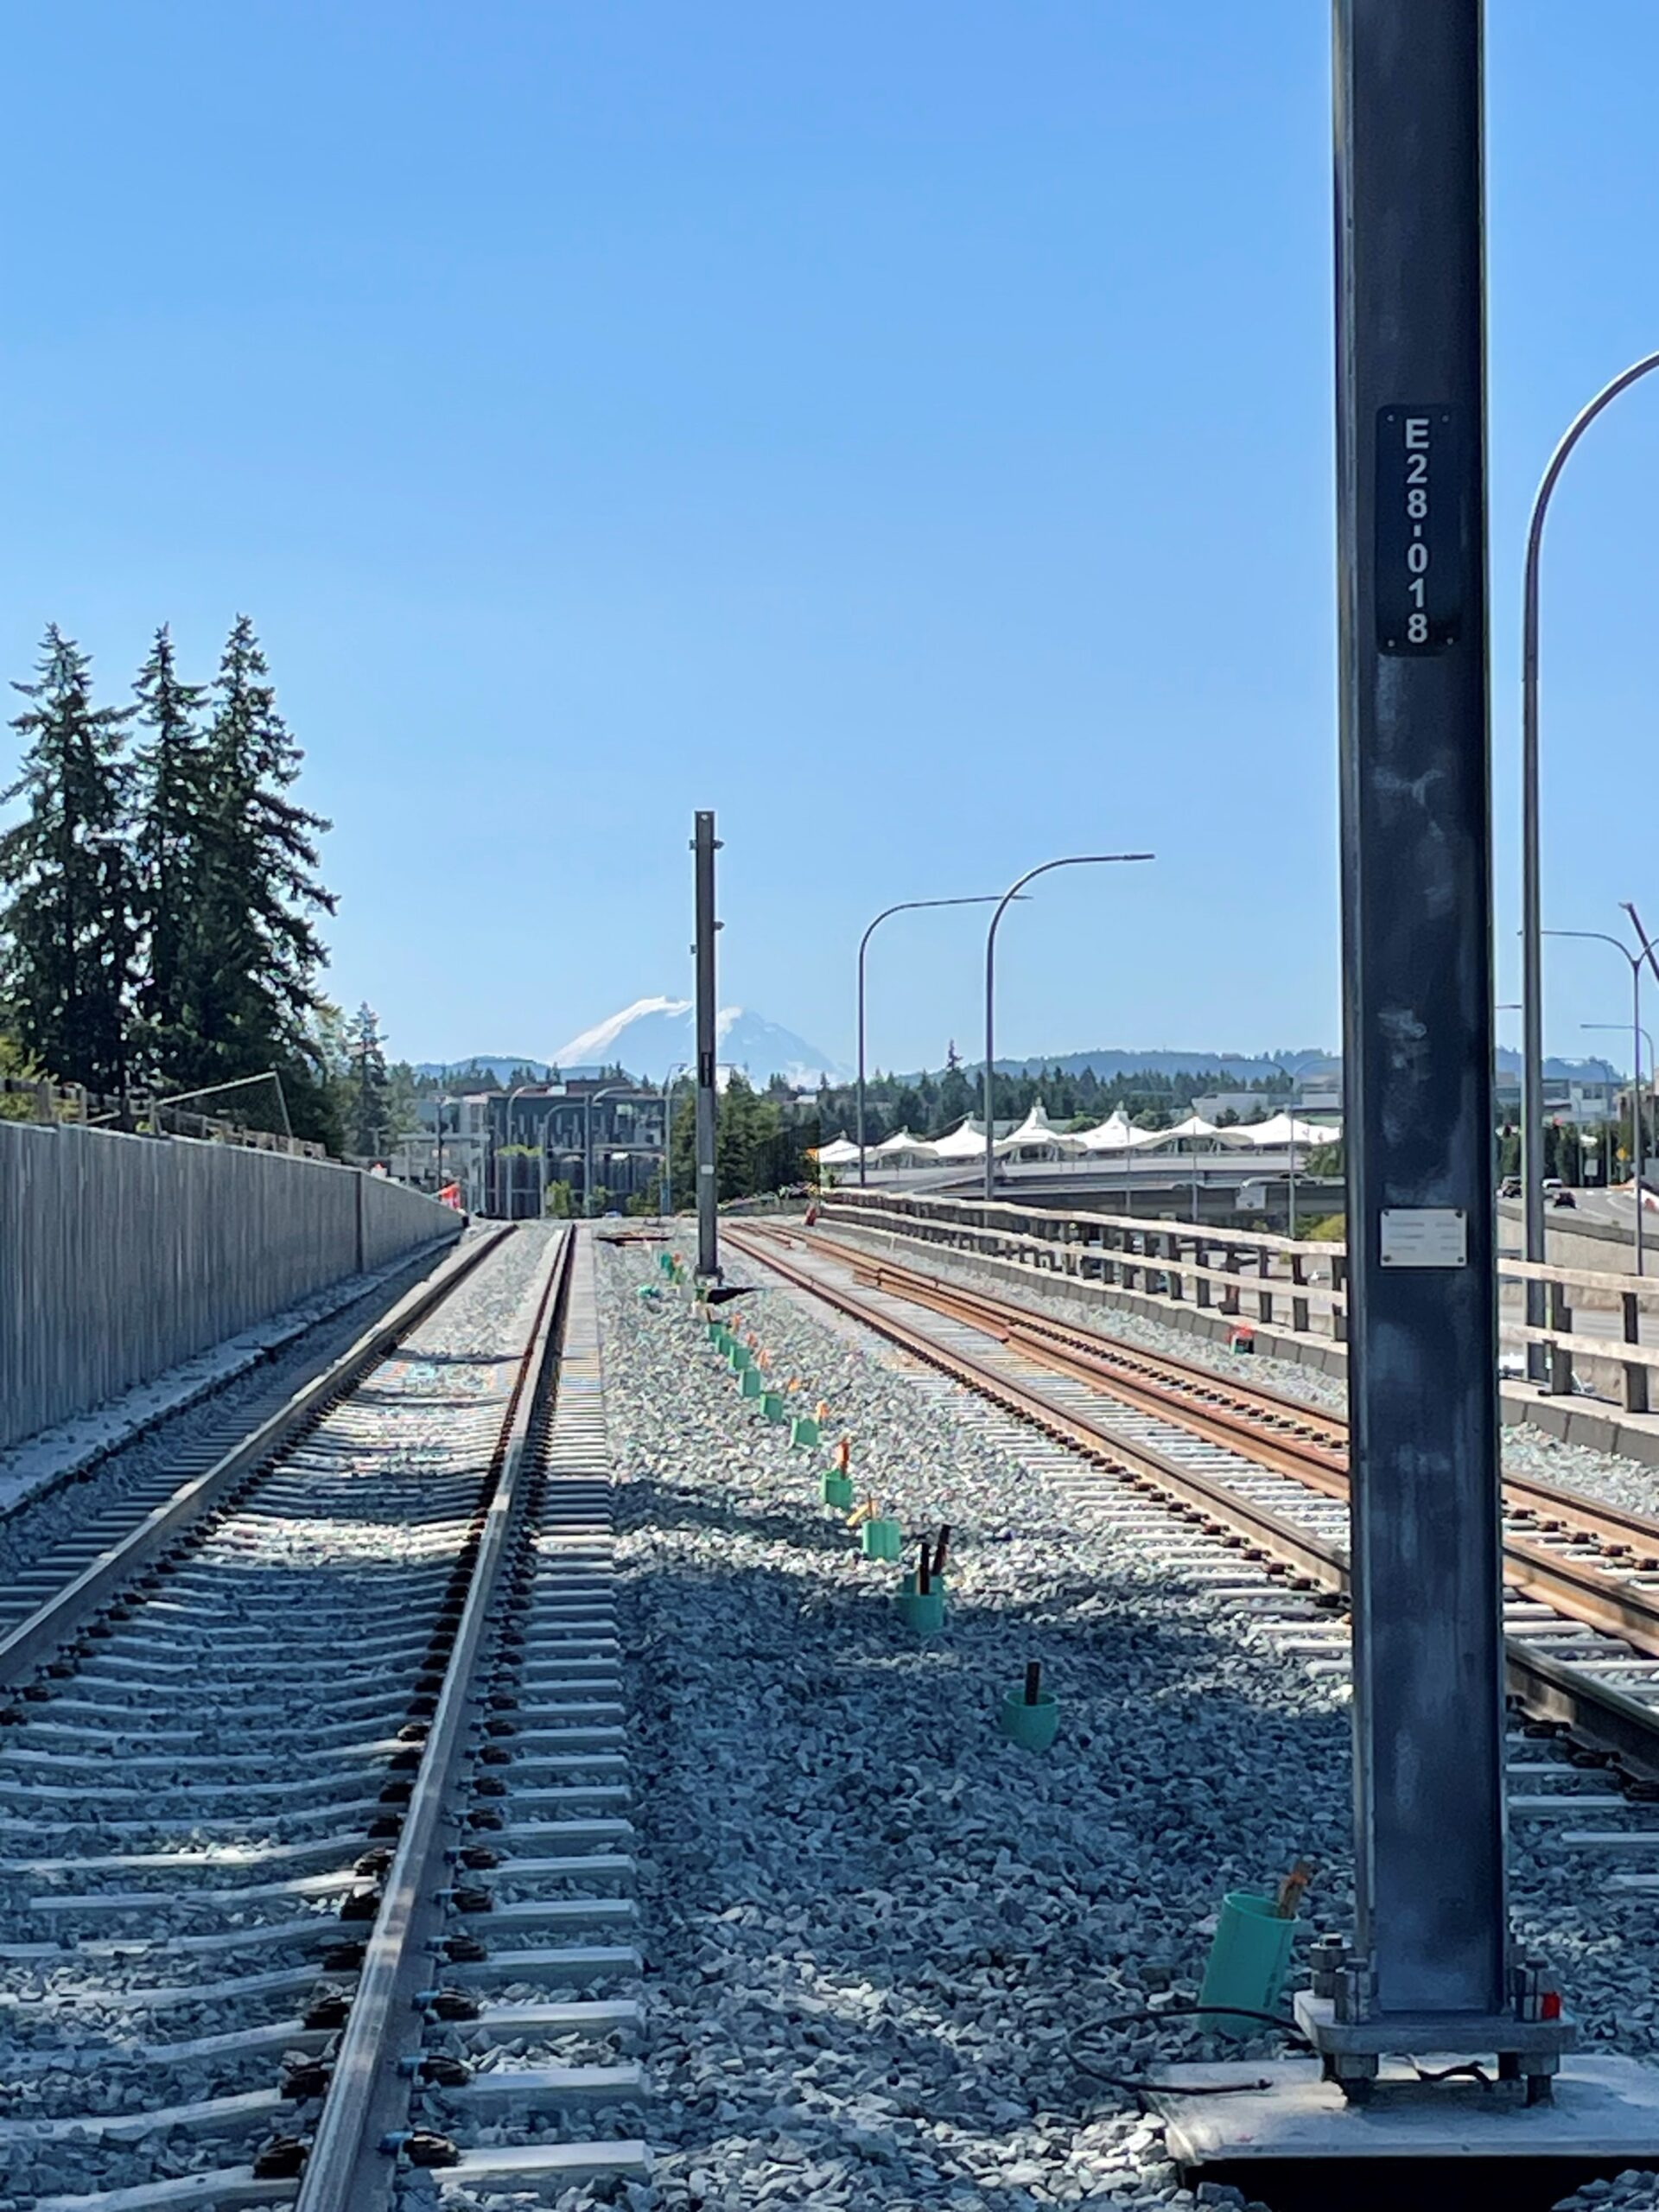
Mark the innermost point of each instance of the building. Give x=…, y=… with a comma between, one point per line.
x=1586, y=1093
x=454, y=1150
x=541, y=1135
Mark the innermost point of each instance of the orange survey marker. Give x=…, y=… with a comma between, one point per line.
x=843, y=1455
x=821, y=1411
x=860, y=1513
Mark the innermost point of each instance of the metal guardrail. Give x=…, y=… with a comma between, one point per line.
x=1183, y=1263
x=141, y=1113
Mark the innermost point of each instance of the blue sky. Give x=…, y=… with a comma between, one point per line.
x=905, y=430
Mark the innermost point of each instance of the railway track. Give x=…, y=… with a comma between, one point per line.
x=1581, y=1615
x=312, y=1835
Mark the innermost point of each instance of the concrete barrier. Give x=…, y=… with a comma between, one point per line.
x=121, y=1255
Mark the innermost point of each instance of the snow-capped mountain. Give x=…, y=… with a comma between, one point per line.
x=654, y=1035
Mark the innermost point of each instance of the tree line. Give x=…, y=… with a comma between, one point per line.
x=159, y=892
x=763, y=1142
x=928, y=1105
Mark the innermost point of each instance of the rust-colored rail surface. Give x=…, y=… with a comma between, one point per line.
x=1273, y=1431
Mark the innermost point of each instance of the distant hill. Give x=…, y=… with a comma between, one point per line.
x=650, y=1036
x=1108, y=1060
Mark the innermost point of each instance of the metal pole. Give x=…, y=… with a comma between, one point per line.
x=1532, y=977
x=1637, y=1115
x=1600, y=937
x=590, y=1100
x=1636, y=1103
x=1433, y=1921
x=1073, y=860
x=705, y=845
x=1291, y=1111
x=904, y=906
x=674, y=1073
x=513, y=1097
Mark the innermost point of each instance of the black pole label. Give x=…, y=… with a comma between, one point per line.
x=1420, y=580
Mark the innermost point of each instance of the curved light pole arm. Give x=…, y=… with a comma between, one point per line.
x=1072, y=859
x=679, y=1068
x=592, y=1099
x=1532, y=981
x=513, y=1097
x=904, y=906
x=1634, y=961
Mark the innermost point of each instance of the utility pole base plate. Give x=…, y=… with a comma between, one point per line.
x=1300, y=2145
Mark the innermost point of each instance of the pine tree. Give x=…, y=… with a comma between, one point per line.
x=256, y=1003
x=372, y=1101
x=66, y=925
x=175, y=808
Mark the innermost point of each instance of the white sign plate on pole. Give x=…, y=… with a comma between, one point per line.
x=1425, y=1236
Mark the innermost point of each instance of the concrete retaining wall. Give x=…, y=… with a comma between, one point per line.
x=120, y=1256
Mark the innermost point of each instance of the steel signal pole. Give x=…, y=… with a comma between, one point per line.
x=1431, y=1969
x=705, y=845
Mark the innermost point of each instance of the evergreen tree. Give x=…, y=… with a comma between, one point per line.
x=257, y=1002
x=176, y=804
x=66, y=925
x=372, y=1100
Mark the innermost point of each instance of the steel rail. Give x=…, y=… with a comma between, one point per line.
x=1603, y=1715
x=43, y=1633
x=364, y=2098
x=1163, y=1384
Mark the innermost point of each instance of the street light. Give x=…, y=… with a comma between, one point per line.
x=1072, y=859
x=589, y=1102
x=679, y=1068
x=1635, y=961
x=514, y=1095
x=904, y=906
x=1646, y=1036
x=1532, y=956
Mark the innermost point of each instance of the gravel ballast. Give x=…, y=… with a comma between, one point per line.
x=894, y=1961
x=1526, y=1450
x=208, y=1771
x=32, y=1521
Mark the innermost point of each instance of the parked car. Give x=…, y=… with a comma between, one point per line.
x=1563, y=1197
x=1509, y=1187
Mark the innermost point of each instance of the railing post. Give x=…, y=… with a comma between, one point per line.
x=1298, y=1305
x=1636, y=1375
x=1264, y=1296
x=1339, y=1290
x=1561, y=1361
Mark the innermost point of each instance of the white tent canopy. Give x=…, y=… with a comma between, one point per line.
x=1195, y=1131
x=840, y=1152
x=902, y=1146
x=1278, y=1131
x=965, y=1141
x=1037, y=1134
x=1117, y=1132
